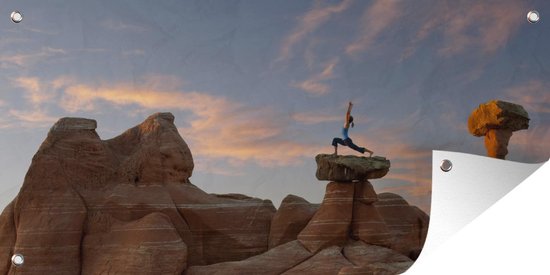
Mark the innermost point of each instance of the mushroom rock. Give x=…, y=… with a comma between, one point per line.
x=275, y=261
x=408, y=225
x=350, y=168
x=327, y=261
x=330, y=224
x=497, y=120
x=292, y=216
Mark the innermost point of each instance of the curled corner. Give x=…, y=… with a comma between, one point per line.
x=462, y=194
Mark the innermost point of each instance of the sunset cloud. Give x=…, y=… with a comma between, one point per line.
x=33, y=90
x=308, y=23
x=316, y=85
x=376, y=18
x=29, y=59
x=219, y=128
x=478, y=25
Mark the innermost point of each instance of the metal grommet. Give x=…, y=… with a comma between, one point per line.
x=17, y=259
x=16, y=16
x=533, y=16
x=446, y=165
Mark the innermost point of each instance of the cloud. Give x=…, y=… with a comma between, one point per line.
x=27, y=60
x=315, y=85
x=33, y=90
x=472, y=25
x=310, y=22
x=376, y=18
x=218, y=128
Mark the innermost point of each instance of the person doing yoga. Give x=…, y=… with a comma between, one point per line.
x=347, y=140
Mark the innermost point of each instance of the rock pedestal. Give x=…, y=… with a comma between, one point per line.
x=351, y=209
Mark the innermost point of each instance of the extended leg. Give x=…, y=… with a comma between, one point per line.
x=335, y=143
x=361, y=150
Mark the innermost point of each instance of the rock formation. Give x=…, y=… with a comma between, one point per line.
x=126, y=206
x=497, y=120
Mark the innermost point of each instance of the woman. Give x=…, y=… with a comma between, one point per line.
x=347, y=141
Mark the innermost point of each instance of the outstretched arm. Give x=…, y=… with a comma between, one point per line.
x=348, y=113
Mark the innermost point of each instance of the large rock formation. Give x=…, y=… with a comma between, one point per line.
x=126, y=206
x=496, y=120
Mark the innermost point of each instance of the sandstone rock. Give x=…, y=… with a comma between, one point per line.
x=350, y=168
x=407, y=224
x=291, y=218
x=152, y=152
x=327, y=261
x=274, y=261
x=377, y=269
x=74, y=123
x=496, y=120
x=76, y=180
x=150, y=245
x=330, y=224
x=364, y=193
x=7, y=238
x=362, y=254
x=237, y=225
x=367, y=225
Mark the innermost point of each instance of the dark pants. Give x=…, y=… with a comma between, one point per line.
x=349, y=143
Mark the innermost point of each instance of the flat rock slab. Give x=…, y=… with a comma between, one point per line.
x=350, y=168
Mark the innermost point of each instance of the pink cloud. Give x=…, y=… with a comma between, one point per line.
x=315, y=85
x=310, y=22
x=483, y=25
x=377, y=17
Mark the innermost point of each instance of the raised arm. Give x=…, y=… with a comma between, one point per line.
x=348, y=113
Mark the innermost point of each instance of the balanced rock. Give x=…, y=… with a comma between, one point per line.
x=496, y=120
x=292, y=216
x=350, y=168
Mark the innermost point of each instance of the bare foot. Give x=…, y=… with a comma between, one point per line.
x=370, y=156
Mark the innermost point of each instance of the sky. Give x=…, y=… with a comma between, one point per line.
x=258, y=88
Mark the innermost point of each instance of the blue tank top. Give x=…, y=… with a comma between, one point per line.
x=345, y=133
